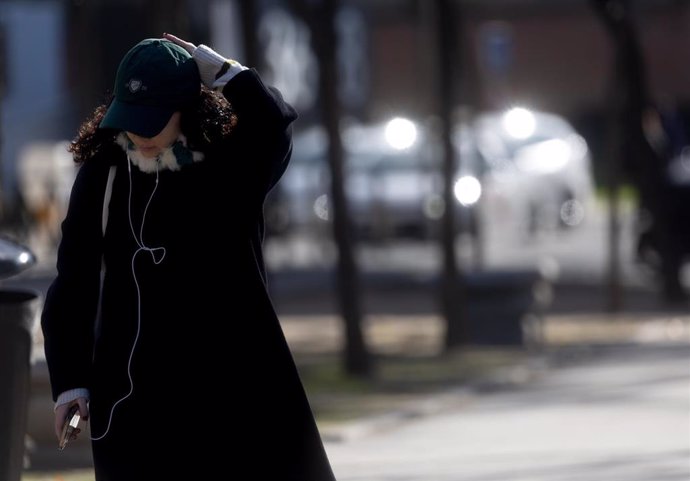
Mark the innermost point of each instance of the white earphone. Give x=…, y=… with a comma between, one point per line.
x=142, y=247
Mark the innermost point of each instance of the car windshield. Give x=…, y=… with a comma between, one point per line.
x=500, y=141
x=363, y=151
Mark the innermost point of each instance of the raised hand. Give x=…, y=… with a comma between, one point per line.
x=188, y=46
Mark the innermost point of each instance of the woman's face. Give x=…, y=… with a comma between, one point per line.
x=152, y=146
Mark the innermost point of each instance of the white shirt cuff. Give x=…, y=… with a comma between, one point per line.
x=70, y=395
x=234, y=68
x=214, y=69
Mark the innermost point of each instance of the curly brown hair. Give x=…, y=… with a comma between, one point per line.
x=210, y=120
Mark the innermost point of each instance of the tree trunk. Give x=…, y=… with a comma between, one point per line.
x=453, y=292
x=321, y=20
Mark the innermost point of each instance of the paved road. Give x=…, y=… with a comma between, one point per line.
x=618, y=414
x=581, y=252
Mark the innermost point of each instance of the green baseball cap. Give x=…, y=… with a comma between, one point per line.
x=154, y=79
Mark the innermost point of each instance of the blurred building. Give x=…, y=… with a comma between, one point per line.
x=544, y=54
x=33, y=92
x=61, y=56
x=553, y=55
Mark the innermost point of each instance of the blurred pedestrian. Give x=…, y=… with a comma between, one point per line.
x=178, y=361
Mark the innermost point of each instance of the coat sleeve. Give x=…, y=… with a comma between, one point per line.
x=71, y=303
x=264, y=128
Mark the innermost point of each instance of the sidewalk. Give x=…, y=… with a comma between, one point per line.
x=413, y=379
x=610, y=413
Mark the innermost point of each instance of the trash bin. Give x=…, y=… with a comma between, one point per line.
x=18, y=313
x=499, y=301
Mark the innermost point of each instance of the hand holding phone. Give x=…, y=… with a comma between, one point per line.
x=71, y=423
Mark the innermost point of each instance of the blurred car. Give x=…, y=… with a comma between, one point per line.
x=390, y=182
x=14, y=257
x=292, y=205
x=530, y=172
x=534, y=170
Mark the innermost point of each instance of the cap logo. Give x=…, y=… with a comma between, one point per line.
x=134, y=85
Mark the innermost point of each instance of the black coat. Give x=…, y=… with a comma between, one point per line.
x=215, y=388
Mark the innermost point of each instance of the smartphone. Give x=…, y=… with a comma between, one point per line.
x=71, y=424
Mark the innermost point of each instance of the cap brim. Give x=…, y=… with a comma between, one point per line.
x=142, y=120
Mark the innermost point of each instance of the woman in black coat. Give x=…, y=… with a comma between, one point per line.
x=186, y=371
